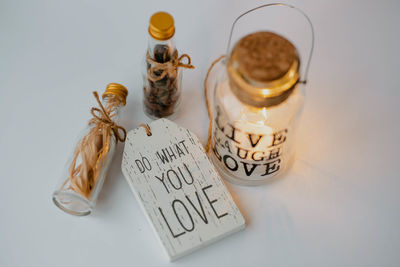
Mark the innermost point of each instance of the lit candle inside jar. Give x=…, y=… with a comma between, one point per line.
x=249, y=147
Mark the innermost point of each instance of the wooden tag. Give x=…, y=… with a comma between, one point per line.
x=178, y=188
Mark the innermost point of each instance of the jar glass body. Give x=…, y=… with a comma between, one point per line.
x=161, y=91
x=72, y=201
x=250, y=144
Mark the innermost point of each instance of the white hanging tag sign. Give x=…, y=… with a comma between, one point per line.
x=178, y=188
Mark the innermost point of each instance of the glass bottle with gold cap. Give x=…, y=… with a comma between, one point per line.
x=257, y=100
x=162, y=76
x=83, y=177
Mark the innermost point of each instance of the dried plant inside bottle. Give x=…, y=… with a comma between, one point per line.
x=85, y=173
x=162, y=76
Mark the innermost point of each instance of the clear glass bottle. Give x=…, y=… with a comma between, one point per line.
x=161, y=78
x=85, y=171
x=257, y=101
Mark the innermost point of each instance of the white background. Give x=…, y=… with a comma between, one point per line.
x=338, y=206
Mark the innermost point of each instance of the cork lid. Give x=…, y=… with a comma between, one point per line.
x=263, y=66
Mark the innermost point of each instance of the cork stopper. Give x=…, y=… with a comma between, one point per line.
x=264, y=56
x=262, y=67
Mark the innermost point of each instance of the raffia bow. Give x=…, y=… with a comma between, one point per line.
x=159, y=70
x=105, y=120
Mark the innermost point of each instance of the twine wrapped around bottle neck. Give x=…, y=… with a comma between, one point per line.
x=91, y=153
x=158, y=70
x=208, y=105
x=104, y=117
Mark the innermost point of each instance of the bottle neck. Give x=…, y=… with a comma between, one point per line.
x=161, y=50
x=112, y=105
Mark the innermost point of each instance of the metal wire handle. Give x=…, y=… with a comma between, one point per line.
x=282, y=5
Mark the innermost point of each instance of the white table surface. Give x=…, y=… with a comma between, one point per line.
x=338, y=206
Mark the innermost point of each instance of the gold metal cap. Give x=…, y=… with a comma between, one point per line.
x=161, y=26
x=116, y=89
x=263, y=69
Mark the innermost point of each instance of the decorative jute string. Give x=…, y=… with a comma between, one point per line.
x=93, y=148
x=147, y=128
x=105, y=116
x=208, y=102
x=159, y=70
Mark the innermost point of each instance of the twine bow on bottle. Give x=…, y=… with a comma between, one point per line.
x=159, y=70
x=104, y=119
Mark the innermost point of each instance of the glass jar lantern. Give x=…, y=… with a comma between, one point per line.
x=257, y=99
